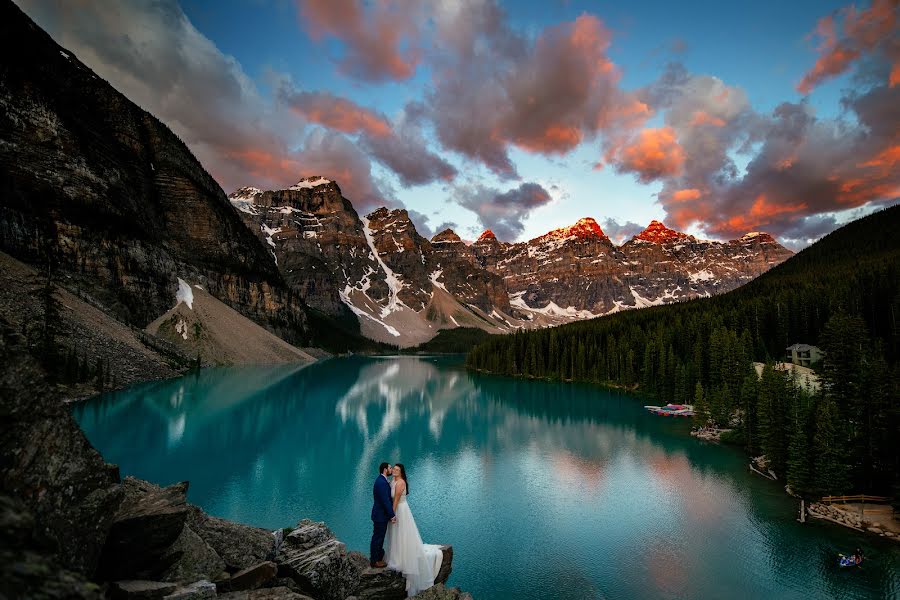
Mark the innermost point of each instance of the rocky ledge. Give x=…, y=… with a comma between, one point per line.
x=849, y=518
x=160, y=546
x=71, y=528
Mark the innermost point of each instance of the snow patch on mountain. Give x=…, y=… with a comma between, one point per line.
x=308, y=183
x=393, y=282
x=184, y=294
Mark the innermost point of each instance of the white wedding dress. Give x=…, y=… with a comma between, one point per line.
x=406, y=553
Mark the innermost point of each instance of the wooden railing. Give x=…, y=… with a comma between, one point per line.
x=858, y=498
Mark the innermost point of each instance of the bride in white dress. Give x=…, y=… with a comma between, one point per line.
x=406, y=553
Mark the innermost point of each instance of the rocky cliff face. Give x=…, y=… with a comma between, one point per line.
x=402, y=287
x=109, y=194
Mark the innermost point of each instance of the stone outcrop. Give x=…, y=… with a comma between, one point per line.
x=239, y=546
x=147, y=524
x=250, y=578
x=318, y=562
x=114, y=198
x=441, y=592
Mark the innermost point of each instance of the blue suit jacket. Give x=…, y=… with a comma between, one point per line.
x=383, y=507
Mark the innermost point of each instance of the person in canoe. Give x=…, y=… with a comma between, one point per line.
x=851, y=561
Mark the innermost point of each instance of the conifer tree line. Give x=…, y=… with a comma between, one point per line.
x=841, y=294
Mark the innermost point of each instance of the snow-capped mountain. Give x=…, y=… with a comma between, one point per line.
x=403, y=288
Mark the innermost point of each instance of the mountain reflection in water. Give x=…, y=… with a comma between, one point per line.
x=546, y=490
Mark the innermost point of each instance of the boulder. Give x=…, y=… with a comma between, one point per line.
x=318, y=563
x=273, y=593
x=308, y=534
x=387, y=584
x=446, y=565
x=440, y=592
x=199, y=590
x=193, y=559
x=240, y=546
x=380, y=584
x=139, y=589
x=149, y=521
x=249, y=579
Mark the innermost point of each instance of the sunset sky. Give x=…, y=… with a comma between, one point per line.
x=524, y=116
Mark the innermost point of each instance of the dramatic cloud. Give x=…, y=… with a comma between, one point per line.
x=503, y=212
x=379, y=40
x=863, y=31
x=335, y=112
x=406, y=151
x=153, y=54
x=620, y=232
x=803, y=167
x=651, y=155
x=497, y=89
x=400, y=146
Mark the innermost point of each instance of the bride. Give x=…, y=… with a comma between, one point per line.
x=406, y=553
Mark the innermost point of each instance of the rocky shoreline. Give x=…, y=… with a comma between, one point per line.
x=72, y=528
x=846, y=518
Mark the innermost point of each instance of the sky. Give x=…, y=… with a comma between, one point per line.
x=714, y=118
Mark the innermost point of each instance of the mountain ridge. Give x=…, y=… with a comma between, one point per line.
x=404, y=288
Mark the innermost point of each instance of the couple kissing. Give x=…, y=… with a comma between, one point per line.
x=392, y=519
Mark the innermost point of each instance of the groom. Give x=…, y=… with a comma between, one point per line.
x=382, y=513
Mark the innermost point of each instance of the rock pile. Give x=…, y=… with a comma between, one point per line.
x=848, y=518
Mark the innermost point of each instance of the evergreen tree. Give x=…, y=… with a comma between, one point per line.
x=701, y=408
x=831, y=469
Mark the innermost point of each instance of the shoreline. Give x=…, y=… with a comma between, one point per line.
x=76, y=524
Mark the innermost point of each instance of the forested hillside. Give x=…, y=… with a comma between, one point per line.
x=841, y=294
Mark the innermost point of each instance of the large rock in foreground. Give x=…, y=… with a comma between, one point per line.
x=322, y=567
x=318, y=562
x=147, y=524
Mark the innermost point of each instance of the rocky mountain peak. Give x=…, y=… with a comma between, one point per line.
x=757, y=237
x=446, y=236
x=487, y=236
x=583, y=229
x=310, y=182
x=658, y=233
x=244, y=193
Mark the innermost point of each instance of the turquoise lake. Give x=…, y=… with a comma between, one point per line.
x=546, y=490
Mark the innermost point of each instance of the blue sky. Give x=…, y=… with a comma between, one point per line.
x=685, y=112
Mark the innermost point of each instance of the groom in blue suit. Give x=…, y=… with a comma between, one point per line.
x=382, y=514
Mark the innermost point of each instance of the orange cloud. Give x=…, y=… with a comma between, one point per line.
x=373, y=38
x=555, y=138
x=894, y=78
x=762, y=209
x=265, y=165
x=701, y=117
x=655, y=153
x=339, y=113
x=885, y=159
x=686, y=194
x=863, y=32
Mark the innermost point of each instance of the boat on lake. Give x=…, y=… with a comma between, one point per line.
x=672, y=410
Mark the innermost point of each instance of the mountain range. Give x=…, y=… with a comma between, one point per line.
x=107, y=198
x=403, y=288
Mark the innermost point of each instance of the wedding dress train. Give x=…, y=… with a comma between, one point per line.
x=406, y=553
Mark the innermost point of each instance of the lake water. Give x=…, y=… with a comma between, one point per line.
x=545, y=490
